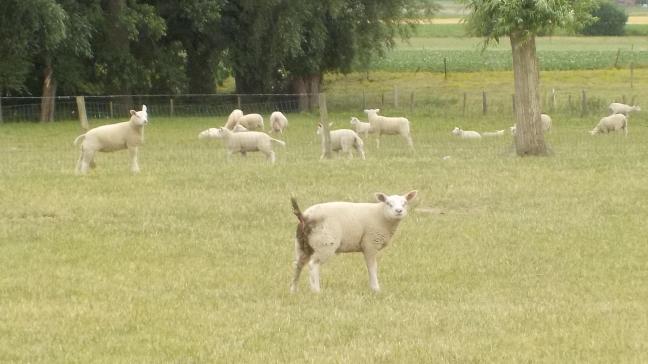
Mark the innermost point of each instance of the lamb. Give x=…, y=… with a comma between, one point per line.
x=618, y=108
x=109, y=138
x=465, y=134
x=232, y=119
x=611, y=123
x=389, y=126
x=343, y=139
x=251, y=121
x=212, y=132
x=251, y=141
x=493, y=133
x=544, y=119
x=278, y=122
x=361, y=127
x=344, y=227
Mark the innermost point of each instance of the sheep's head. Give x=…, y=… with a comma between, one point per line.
x=319, y=128
x=209, y=133
x=372, y=111
x=139, y=117
x=238, y=128
x=354, y=120
x=395, y=206
x=456, y=131
x=636, y=108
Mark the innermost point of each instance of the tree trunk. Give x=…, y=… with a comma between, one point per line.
x=299, y=87
x=529, y=138
x=201, y=75
x=313, y=81
x=49, y=93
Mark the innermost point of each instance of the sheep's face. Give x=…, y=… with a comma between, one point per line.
x=456, y=131
x=139, y=117
x=209, y=133
x=636, y=108
x=395, y=206
x=372, y=111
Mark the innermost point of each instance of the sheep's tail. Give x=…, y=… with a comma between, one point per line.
x=278, y=141
x=79, y=138
x=303, y=229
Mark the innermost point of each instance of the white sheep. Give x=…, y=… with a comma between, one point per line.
x=389, y=126
x=465, y=134
x=278, y=122
x=611, y=123
x=251, y=141
x=493, y=133
x=361, y=127
x=212, y=133
x=344, y=227
x=232, y=119
x=619, y=108
x=251, y=121
x=109, y=138
x=344, y=140
x=545, y=120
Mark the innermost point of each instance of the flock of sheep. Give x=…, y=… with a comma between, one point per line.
x=323, y=229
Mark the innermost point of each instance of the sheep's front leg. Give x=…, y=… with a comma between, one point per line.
x=372, y=268
x=132, y=151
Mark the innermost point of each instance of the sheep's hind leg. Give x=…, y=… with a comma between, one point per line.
x=301, y=258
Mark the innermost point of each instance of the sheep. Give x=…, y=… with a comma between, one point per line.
x=611, y=123
x=545, y=121
x=278, y=122
x=109, y=138
x=212, y=132
x=251, y=141
x=618, y=108
x=251, y=121
x=465, y=134
x=343, y=227
x=493, y=133
x=361, y=127
x=232, y=119
x=342, y=139
x=389, y=126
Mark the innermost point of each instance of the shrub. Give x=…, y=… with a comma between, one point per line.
x=611, y=21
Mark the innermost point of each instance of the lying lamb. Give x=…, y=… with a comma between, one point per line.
x=618, y=108
x=344, y=140
x=611, y=123
x=544, y=119
x=493, y=133
x=212, y=133
x=251, y=121
x=109, y=138
x=465, y=134
x=344, y=227
x=232, y=119
x=361, y=127
x=389, y=126
x=251, y=141
x=278, y=122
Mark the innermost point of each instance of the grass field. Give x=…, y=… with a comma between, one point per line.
x=501, y=260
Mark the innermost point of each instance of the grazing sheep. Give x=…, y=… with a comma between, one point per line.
x=493, y=133
x=212, y=132
x=344, y=227
x=109, y=138
x=544, y=119
x=465, y=134
x=251, y=141
x=611, y=123
x=342, y=139
x=619, y=108
x=361, y=127
x=278, y=122
x=389, y=126
x=232, y=119
x=251, y=121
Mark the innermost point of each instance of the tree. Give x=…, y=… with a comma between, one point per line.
x=521, y=21
x=610, y=20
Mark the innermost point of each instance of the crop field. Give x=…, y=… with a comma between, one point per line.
x=501, y=259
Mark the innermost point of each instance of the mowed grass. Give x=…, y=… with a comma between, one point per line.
x=502, y=259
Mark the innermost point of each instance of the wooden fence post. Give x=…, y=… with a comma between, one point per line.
x=412, y=102
x=583, y=103
x=111, y=109
x=464, y=104
x=364, y=100
x=83, y=117
x=395, y=97
x=238, y=101
x=484, y=103
x=1, y=119
x=171, y=107
x=631, y=75
x=325, y=127
x=382, y=100
x=553, y=99
x=445, y=68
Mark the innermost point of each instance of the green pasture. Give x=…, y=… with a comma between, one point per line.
x=502, y=259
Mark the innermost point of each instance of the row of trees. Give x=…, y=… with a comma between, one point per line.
x=188, y=46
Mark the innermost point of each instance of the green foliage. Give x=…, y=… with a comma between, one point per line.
x=610, y=20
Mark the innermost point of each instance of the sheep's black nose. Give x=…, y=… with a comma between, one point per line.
x=399, y=211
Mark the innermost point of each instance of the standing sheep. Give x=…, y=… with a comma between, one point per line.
x=344, y=227
x=251, y=141
x=619, y=108
x=389, y=126
x=278, y=122
x=465, y=134
x=109, y=138
x=611, y=123
x=342, y=139
x=251, y=121
x=361, y=127
x=232, y=119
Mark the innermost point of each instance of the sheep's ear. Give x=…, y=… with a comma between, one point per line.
x=411, y=195
x=381, y=197
x=143, y=107
x=132, y=112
